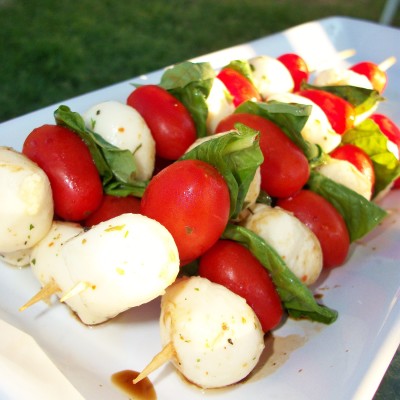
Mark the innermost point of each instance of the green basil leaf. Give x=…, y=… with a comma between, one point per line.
x=360, y=215
x=243, y=67
x=291, y=118
x=236, y=155
x=369, y=138
x=296, y=298
x=361, y=98
x=115, y=166
x=191, y=84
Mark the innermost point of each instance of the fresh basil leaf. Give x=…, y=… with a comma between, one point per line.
x=296, y=298
x=122, y=190
x=360, y=215
x=191, y=84
x=115, y=166
x=369, y=138
x=236, y=155
x=291, y=118
x=361, y=98
x=243, y=67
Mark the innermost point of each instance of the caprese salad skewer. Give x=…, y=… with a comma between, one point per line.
x=131, y=258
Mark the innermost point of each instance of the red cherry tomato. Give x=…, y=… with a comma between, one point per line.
x=191, y=199
x=169, y=121
x=339, y=112
x=388, y=127
x=297, y=68
x=391, y=131
x=326, y=223
x=375, y=75
x=232, y=265
x=112, y=206
x=285, y=168
x=358, y=157
x=75, y=181
x=238, y=86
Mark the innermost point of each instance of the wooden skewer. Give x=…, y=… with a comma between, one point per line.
x=158, y=360
x=386, y=64
x=346, y=53
x=44, y=293
x=78, y=288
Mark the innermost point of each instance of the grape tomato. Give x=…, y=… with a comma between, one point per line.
x=170, y=123
x=232, y=265
x=191, y=199
x=326, y=223
x=76, y=185
x=285, y=169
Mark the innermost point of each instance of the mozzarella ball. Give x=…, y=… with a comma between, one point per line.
x=19, y=258
x=345, y=173
x=124, y=262
x=341, y=76
x=293, y=241
x=47, y=264
x=393, y=148
x=253, y=191
x=26, y=211
x=216, y=336
x=123, y=127
x=317, y=129
x=270, y=76
x=219, y=103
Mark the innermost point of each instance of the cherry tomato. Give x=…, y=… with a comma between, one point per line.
x=112, y=206
x=339, y=112
x=238, y=86
x=64, y=157
x=391, y=131
x=326, y=223
x=358, y=157
x=169, y=121
x=232, y=265
x=285, y=168
x=375, y=75
x=191, y=199
x=388, y=127
x=297, y=68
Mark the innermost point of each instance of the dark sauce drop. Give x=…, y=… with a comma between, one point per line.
x=143, y=390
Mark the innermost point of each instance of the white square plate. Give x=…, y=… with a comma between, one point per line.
x=308, y=361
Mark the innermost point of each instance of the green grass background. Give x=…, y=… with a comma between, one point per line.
x=53, y=50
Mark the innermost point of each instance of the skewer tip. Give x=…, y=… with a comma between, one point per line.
x=158, y=360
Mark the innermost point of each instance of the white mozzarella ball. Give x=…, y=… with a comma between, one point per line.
x=318, y=129
x=125, y=262
x=293, y=241
x=270, y=76
x=122, y=126
x=26, y=211
x=345, y=173
x=46, y=261
x=393, y=148
x=219, y=103
x=19, y=258
x=216, y=336
x=253, y=191
x=341, y=76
